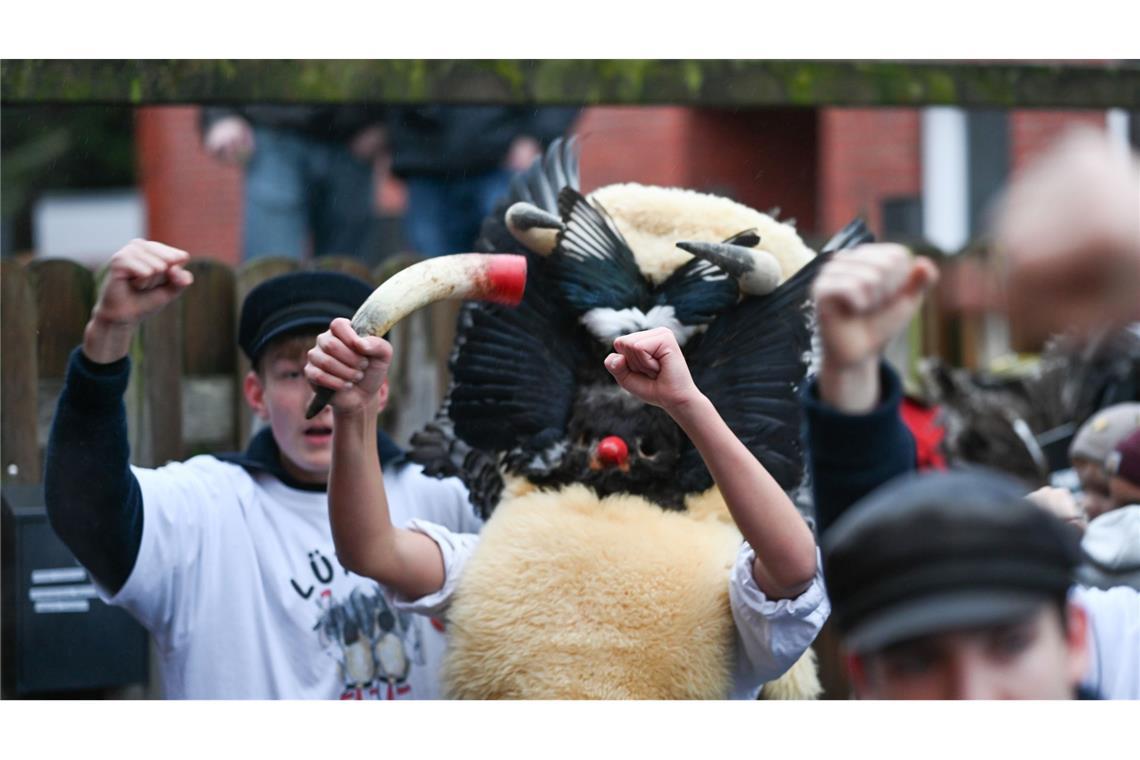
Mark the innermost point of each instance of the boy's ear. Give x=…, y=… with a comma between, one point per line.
x=857, y=673
x=1077, y=639
x=254, y=391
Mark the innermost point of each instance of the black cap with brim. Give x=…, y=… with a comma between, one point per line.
x=938, y=552
x=940, y=613
x=297, y=302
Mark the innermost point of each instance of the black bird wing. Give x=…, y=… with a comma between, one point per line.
x=752, y=362
x=853, y=234
x=512, y=369
x=539, y=185
x=698, y=291
x=592, y=264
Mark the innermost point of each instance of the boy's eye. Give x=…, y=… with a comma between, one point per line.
x=1011, y=641
x=908, y=662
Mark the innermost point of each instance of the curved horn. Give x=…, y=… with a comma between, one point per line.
x=533, y=227
x=756, y=272
x=495, y=277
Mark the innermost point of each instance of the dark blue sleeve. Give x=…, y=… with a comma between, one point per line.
x=93, y=500
x=851, y=455
x=550, y=122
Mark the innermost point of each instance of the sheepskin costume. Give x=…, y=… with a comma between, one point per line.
x=574, y=597
x=653, y=219
x=580, y=587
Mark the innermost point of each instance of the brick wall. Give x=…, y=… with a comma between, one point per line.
x=634, y=144
x=866, y=156
x=761, y=157
x=193, y=202
x=1033, y=131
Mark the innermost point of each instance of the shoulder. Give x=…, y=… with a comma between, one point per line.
x=410, y=476
x=1116, y=602
x=200, y=475
x=412, y=494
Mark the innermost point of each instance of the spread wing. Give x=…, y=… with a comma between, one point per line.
x=512, y=369
x=698, y=291
x=752, y=362
x=539, y=185
x=592, y=263
x=853, y=234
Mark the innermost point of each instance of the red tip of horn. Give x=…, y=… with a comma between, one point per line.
x=506, y=278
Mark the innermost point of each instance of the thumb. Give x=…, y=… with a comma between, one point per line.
x=637, y=384
x=902, y=307
x=923, y=274
x=617, y=366
x=178, y=279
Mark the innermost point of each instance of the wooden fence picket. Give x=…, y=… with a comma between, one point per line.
x=210, y=385
x=64, y=292
x=18, y=375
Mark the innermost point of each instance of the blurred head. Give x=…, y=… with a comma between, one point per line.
x=1091, y=448
x=1123, y=467
x=280, y=321
x=953, y=586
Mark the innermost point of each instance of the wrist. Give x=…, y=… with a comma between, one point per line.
x=363, y=417
x=105, y=341
x=852, y=388
x=688, y=408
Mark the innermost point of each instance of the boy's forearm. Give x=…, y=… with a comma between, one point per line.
x=366, y=540
x=358, y=506
x=784, y=546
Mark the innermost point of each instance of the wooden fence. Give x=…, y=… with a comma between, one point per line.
x=184, y=396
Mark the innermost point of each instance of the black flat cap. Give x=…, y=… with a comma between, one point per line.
x=297, y=301
x=937, y=552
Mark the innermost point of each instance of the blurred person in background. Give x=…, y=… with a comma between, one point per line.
x=856, y=442
x=1068, y=230
x=1111, y=544
x=457, y=161
x=1091, y=448
x=308, y=173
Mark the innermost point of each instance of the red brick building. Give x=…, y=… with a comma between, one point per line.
x=820, y=166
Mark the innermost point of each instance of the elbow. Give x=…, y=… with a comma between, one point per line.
x=364, y=558
x=792, y=585
x=790, y=578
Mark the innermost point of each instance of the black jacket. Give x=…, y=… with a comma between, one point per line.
x=325, y=122
x=851, y=455
x=438, y=140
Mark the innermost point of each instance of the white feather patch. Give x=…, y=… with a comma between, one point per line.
x=605, y=324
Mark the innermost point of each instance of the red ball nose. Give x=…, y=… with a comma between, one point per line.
x=612, y=451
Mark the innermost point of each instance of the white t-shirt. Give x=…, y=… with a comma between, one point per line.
x=237, y=580
x=1114, y=640
x=770, y=634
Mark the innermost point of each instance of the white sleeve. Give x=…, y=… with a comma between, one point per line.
x=772, y=634
x=182, y=503
x=456, y=549
x=1114, y=640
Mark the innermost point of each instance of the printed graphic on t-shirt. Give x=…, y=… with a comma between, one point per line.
x=375, y=647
